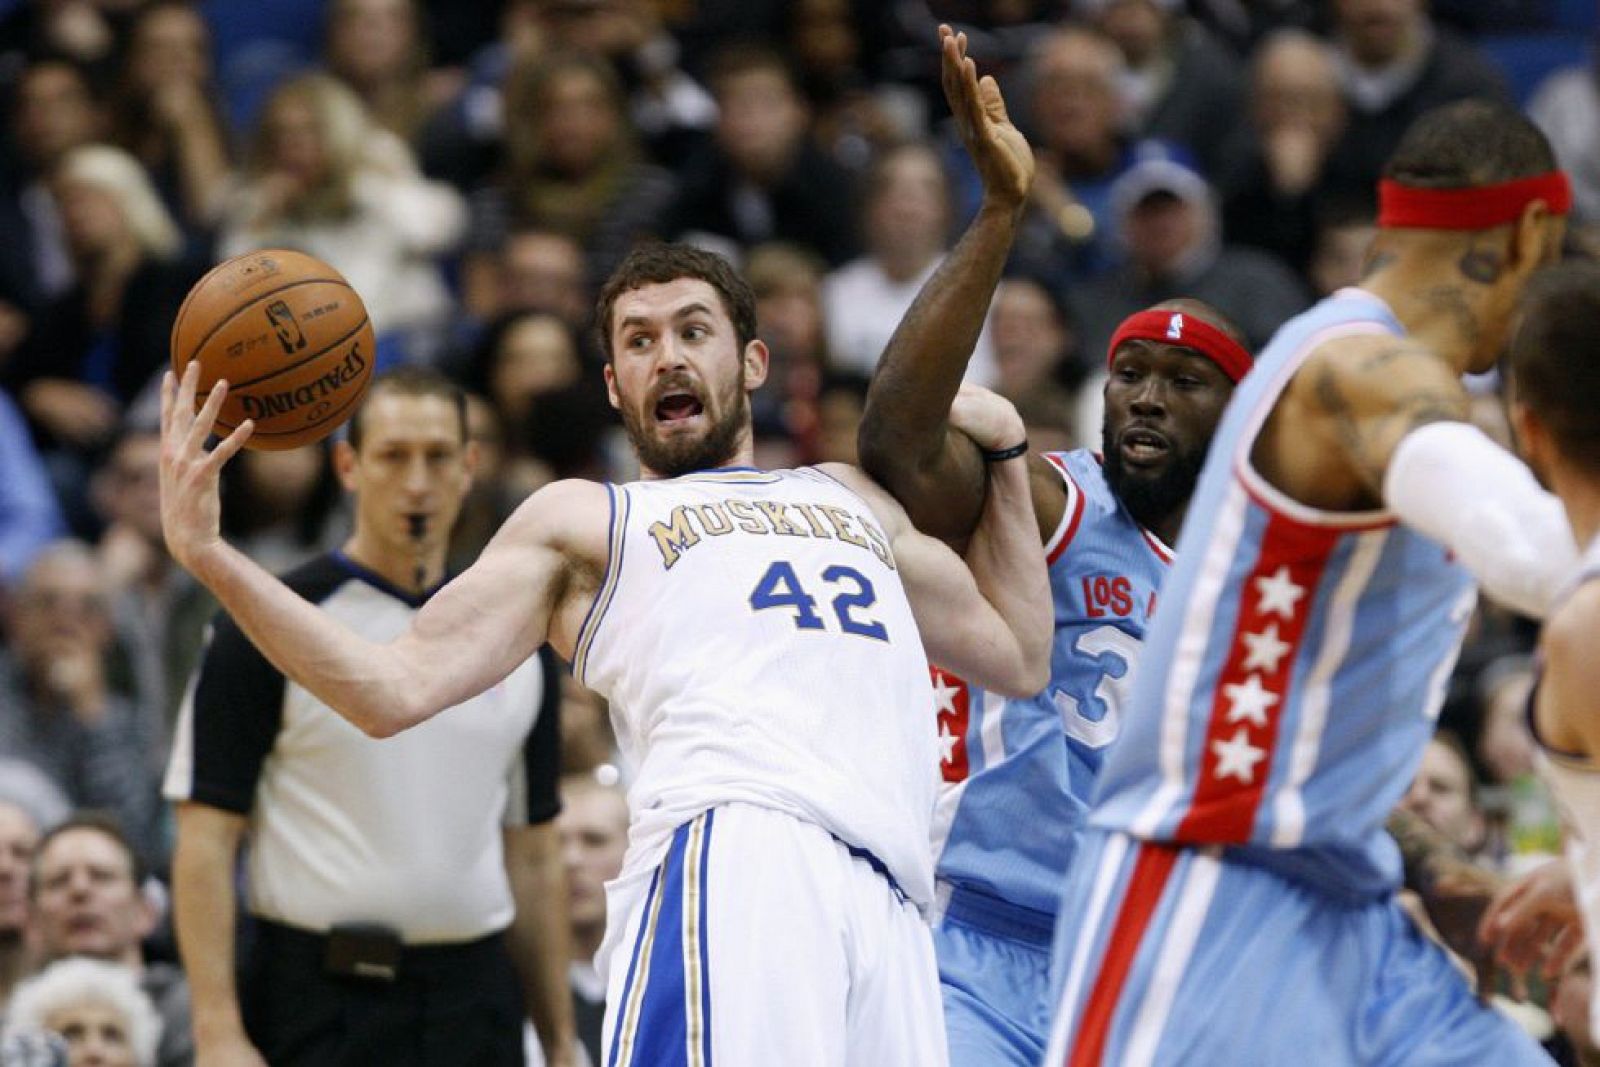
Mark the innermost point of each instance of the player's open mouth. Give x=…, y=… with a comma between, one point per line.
x=1140, y=446
x=678, y=406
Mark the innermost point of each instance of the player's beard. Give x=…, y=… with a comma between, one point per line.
x=1151, y=496
x=684, y=454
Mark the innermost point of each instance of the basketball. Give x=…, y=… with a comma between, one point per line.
x=290, y=336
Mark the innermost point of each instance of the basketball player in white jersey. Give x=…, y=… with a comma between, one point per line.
x=1542, y=918
x=762, y=637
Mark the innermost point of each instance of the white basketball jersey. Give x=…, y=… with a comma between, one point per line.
x=1574, y=782
x=754, y=640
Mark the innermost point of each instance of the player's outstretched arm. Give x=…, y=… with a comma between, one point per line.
x=470, y=634
x=1399, y=416
x=905, y=439
x=987, y=618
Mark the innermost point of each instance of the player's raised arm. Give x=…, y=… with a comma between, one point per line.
x=905, y=439
x=987, y=619
x=468, y=636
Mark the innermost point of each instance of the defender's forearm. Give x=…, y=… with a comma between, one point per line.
x=1007, y=562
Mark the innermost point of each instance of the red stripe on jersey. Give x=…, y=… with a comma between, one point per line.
x=1150, y=873
x=1074, y=506
x=953, y=710
x=1254, y=687
x=1162, y=552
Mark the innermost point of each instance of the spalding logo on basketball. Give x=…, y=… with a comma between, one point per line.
x=290, y=336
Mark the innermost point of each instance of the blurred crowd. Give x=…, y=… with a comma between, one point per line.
x=475, y=168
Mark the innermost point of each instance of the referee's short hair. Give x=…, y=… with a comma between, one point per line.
x=101, y=822
x=408, y=381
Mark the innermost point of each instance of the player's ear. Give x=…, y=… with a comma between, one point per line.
x=1532, y=439
x=611, y=387
x=756, y=360
x=344, y=464
x=1536, y=238
x=471, y=456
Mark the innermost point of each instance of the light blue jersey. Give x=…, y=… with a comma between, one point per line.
x=1232, y=894
x=1287, y=697
x=1014, y=794
x=1017, y=775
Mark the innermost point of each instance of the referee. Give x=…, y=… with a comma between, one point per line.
x=408, y=893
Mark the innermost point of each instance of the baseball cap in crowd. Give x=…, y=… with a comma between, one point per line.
x=1158, y=169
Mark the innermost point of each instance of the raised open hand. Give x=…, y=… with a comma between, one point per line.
x=998, y=149
x=191, y=506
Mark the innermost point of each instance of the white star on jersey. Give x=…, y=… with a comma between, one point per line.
x=1265, y=650
x=1279, y=593
x=1237, y=757
x=1249, y=701
x=944, y=696
x=947, y=744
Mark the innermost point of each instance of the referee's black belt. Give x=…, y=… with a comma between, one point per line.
x=358, y=951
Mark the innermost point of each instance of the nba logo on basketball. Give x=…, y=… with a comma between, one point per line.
x=287, y=329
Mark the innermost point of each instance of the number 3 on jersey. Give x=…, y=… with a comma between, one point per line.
x=779, y=587
x=1116, y=651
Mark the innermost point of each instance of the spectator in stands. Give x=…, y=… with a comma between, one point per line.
x=30, y=518
x=89, y=899
x=158, y=610
x=840, y=402
x=668, y=108
x=1270, y=177
x=1344, y=233
x=906, y=221
x=1168, y=220
x=281, y=508
x=1566, y=105
x=763, y=179
x=323, y=178
x=853, y=119
x=19, y=837
x=1444, y=795
x=572, y=164
x=378, y=49
x=1395, y=63
x=95, y=348
x=788, y=281
x=593, y=825
x=1079, y=149
x=57, y=707
x=166, y=113
x=54, y=110
x=1181, y=84
x=97, y=1008
x=1034, y=353
x=530, y=269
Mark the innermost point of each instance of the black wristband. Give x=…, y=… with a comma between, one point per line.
x=1000, y=455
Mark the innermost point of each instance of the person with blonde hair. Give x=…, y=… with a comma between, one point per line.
x=322, y=177
x=97, y=1008
x=93, y=350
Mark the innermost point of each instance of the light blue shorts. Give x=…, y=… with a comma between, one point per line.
x=1181, y=958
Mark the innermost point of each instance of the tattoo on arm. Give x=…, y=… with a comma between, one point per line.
x=1370, y=438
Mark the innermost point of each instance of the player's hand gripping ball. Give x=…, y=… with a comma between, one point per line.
x=290, y=336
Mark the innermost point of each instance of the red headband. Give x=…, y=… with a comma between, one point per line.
x=1480, y=208
x=1185, y=331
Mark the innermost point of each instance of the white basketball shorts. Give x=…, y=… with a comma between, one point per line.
x=763, y=939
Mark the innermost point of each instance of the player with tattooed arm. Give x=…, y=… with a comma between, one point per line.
x=1234, y=877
